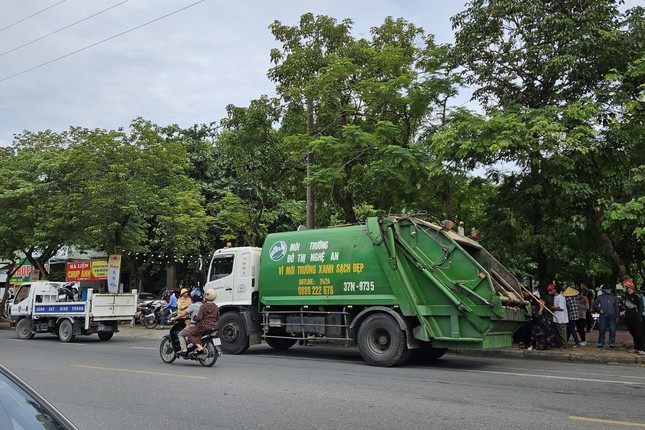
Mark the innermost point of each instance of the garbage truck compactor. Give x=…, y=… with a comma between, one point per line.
x=392, y=286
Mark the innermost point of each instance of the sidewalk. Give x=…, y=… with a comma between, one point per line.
x=583, y=354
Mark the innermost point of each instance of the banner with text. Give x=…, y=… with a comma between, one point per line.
x=87, y=271
x=114, y=270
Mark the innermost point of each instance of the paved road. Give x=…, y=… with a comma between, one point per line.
x=123, y=384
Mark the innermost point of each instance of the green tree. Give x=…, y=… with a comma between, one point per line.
x=137, y=193
x=538, y=68
x=98, y=189
x=37, y=197
x=256, y=194
x=366, y=102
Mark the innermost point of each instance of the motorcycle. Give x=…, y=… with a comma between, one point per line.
x=150, y=313
x=169, y=350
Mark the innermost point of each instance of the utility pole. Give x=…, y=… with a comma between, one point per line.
x=310, y=162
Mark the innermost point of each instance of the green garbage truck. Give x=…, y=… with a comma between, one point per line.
x=392, y=286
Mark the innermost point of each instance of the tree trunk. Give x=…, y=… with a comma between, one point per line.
x=543, y=270
x=608, y=247
x=346, y=202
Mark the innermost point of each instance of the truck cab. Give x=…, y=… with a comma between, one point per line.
x=31, y=294
x=233, y=273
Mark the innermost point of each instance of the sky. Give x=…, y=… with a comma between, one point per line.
x=168, y=61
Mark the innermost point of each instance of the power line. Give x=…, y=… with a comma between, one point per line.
x=61, y=29
x=101, y=41
x=30, y=16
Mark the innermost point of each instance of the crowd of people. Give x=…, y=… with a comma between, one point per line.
x=568, y=313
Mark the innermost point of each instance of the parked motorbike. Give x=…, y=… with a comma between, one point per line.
x=150, y=313
x=169, y=350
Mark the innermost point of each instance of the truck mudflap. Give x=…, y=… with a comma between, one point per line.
x=462, y=297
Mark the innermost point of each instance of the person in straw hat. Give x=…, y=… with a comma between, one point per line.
x=573, y=311
x=184, y=301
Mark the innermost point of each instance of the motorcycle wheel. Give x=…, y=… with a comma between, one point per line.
x=166, y=351
x=209, y=360
x=149, y=321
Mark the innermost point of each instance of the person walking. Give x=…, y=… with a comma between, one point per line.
x=561, y=318
x=573, y=313
x=633, y=315
x=607, y=306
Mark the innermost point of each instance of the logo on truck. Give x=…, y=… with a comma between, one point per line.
x=277, y=251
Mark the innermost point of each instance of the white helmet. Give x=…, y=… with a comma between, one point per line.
x=210, y=295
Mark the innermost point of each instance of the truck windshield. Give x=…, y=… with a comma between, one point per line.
x=22, y=293
x=221, y=266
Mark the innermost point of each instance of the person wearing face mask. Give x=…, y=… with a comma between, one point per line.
x=633, y=314
x=607, y=306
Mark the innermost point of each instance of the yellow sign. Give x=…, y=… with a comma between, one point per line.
x=99, y=269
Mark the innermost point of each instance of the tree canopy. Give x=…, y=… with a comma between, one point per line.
x=548, y=162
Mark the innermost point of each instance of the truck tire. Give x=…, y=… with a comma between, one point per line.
x=428, y=353
x=233, y=334
x=381, y=341
x=106, y=335
x=66, y=331
x=280, y=344
x=23, y=329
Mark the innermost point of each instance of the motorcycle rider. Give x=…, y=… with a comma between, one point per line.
x=191, y=311
x=206, y=318
x=184, y=301
x=170, y=307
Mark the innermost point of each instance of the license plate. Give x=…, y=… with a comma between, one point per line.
x=217, y=341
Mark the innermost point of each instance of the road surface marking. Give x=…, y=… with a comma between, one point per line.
x=541, y=376
x=144, y=347
x=596, y=420
x=63, y=343
x=139, y=371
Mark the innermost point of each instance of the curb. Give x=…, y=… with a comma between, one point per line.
x=612, y=358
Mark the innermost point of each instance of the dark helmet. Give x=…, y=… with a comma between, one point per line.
x=606, y=289
x=197, y=295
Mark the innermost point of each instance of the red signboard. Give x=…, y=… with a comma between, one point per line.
x=87, y=271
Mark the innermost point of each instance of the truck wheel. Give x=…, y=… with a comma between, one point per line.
x=66, y=331
x=280, y=344
x=381, y=342
x=106, y=335
x=23, y=329
x=233, y=334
